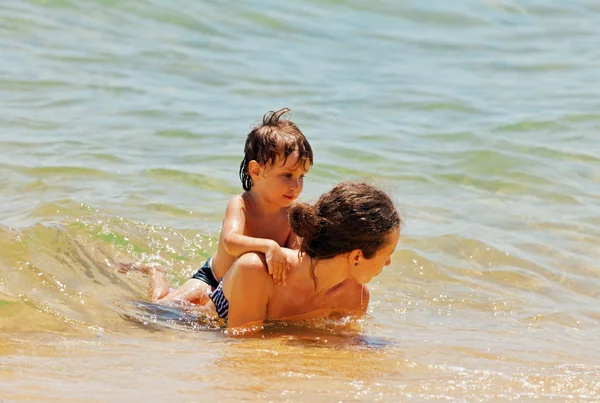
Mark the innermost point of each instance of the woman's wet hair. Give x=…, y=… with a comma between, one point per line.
x=353, y=215
x=275, y=137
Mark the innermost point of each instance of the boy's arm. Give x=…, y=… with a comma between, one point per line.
x=234, y=240
x=236, y=243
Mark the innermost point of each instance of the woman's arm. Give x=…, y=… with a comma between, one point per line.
x=247, y=287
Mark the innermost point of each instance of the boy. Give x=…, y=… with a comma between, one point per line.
x=276, y=157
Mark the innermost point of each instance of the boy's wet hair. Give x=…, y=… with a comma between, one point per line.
x=275, y=137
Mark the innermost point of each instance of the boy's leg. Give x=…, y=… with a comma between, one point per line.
x=193, y=291
x=158, y=288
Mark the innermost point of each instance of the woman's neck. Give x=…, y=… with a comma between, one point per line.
x=327, y=272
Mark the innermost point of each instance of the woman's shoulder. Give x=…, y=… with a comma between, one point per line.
x=248, y=279
x=252, y=260
x=251, y=269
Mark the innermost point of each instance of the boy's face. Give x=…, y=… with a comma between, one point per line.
x=283, y=181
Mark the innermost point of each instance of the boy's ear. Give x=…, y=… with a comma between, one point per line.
x=254, y=169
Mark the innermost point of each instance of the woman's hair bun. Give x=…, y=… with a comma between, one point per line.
x=304, y=220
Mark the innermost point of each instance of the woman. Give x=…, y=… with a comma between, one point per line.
x=348, y=236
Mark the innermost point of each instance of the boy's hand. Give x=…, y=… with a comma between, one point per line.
x=278, y=263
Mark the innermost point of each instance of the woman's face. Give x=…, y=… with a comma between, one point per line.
x=369, y=268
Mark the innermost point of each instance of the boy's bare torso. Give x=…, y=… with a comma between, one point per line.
x=268, y=226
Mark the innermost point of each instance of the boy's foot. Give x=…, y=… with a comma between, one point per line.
x=146, y=268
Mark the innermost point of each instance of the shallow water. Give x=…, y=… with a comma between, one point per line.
x=122, y=129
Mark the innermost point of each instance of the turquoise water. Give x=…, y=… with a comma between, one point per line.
x=122, y=127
